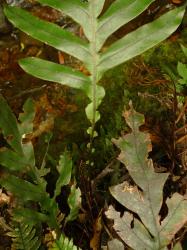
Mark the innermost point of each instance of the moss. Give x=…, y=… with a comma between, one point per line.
x=167, y=53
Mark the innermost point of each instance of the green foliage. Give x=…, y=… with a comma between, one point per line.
x=9, y=127
x=17, y=156
x=182, y=71
x=29, y=191
x=74, y=202
x=64, y=168
x=184, y=49
x=35, y=204
x=97, y=28
x=24, y=237
x=64, y=244
x=30, y=188
x=145, y=199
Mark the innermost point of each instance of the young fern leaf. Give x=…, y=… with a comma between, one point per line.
x=9, y=126
x=24, y=237
x=97, y=27
x=34, y=189
x=20, y=155
x=64, y=169
x=149, y=233
x=64, y=244
x=74, y=202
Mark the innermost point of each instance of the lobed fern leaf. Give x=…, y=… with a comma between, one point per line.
x=33, y=189
x=74, y=202
x=149, y=233
x=19, y=156
x=24, y=237
x=64, y=244
x=64, y=169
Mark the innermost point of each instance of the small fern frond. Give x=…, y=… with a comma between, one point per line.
x=24, y=237
x=64, y=244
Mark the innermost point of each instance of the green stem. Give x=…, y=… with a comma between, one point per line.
x=94, y=67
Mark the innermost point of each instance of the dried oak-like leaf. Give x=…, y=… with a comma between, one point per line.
x=146, y=198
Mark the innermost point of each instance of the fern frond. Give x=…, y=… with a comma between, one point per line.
x=24, y=237
x=97, y=26
x=64, y=244
x=151, y=231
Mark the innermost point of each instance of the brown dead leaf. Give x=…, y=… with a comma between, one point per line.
x=95, y=241
x=4, y=199
x=61, y=57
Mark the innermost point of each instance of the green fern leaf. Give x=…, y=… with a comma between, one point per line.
x=64, y=168
x=24, y=190
x=119, y=13
x=24, y=237
x=140, y=40
x=54, y=35
x=30, y=216
x=20, y=155
x=64, y=244
x=56, y=73
x=74, y=202
x=27, y=117
x=78, y=11
x=97, y=28
x=9, y=126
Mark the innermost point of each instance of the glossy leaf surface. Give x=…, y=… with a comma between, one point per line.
x=77, y=10
x=48, y=33
x=97, y=27
x=141, y=39
x=56, y=73
x=119, y=13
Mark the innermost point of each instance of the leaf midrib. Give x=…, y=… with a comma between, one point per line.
x=148, y=183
